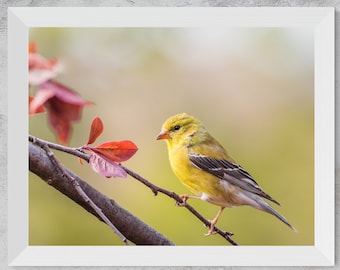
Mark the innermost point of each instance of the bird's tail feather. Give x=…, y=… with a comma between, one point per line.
x=264, y=206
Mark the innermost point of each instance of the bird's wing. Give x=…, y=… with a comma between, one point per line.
x=230, y=172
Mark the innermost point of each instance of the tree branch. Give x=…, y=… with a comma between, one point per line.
x=155, y=189
x=81, y=192
x=130, y=226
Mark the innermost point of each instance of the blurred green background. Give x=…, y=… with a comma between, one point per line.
x=253, y=88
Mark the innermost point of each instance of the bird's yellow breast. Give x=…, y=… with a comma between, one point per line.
x=196, y=180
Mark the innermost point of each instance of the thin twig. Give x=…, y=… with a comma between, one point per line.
x=73, y=151
x=155, y=189
x=78, y=188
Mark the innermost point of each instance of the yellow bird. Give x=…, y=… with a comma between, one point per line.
x=206, y=169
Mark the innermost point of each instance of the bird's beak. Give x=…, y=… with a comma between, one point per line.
x=163, y=135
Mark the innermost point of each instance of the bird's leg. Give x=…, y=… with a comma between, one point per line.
x=214, y=221
x=184, y=198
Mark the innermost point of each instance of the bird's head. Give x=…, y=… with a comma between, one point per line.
x=179, y=129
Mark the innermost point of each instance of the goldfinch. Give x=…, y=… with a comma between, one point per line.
x=206, y=169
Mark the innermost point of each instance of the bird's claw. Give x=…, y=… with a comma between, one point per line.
x=211, y=228
x=184, y=198
x=180, y=204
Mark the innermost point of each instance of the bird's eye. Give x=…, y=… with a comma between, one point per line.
x=177, y=127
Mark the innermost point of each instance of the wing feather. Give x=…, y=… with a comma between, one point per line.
x=230, y=172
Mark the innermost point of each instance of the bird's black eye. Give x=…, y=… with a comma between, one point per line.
x=177, y=127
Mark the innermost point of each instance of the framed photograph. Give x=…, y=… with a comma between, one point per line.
x=261, y=80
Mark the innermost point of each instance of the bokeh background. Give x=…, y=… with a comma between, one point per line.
x=253, y=88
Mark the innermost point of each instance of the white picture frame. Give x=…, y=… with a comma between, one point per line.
x=21, y=254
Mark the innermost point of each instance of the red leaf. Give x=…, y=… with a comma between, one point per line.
x=41, y=96
x=66, y=94
x=115, y=151
x=37, y=108
x=97, y=128
x=32, y=47
x=80, y=161
x=106, y=167
x=63, y=106
x=40, y=68
x=60, y=126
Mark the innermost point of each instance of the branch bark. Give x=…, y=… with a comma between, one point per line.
x=155, y=189
x=133, y=229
